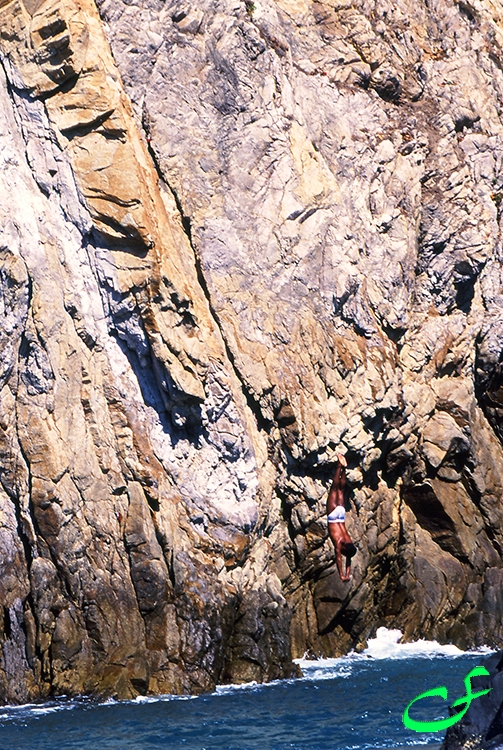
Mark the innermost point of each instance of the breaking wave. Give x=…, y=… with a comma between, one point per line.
x=385, y=645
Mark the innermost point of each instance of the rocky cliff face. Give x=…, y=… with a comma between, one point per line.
x=237, y=237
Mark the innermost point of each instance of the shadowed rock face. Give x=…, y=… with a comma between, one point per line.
x=482, y=725
x=236, y=238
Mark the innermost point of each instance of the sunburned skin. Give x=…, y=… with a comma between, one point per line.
x=337, y=529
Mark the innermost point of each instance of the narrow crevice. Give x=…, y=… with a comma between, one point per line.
x=14, y=495
x=23, y=536
x=171, y=567
x=38, y=652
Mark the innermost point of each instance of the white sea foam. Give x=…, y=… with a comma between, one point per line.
x=253, y=685
x=37, y=710
x=42, y=710
x=325, y=669
x=158, y=698
x=225, y=689
x=385, y=645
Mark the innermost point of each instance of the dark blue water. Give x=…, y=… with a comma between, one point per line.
x=352, y=703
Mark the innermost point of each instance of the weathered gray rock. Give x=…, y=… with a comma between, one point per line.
x=235, y=239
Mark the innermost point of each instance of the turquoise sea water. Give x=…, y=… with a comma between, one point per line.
x=352, y=703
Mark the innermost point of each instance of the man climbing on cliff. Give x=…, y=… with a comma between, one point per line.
x=337, y=520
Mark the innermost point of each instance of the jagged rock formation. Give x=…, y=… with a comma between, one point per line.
x=235, y=238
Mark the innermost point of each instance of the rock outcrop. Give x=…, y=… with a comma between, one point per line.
x=481, y=727
x=237, y=238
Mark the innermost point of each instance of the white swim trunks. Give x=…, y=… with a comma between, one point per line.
x=337, y=515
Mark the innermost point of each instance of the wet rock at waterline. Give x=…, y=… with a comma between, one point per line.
x=235, y=239
x=482, y=725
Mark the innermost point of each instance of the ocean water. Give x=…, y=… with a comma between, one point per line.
x=352, y=703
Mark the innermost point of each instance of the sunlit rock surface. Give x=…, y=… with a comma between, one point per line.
x=236, y=238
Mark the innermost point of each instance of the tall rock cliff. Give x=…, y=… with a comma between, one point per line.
x=237, y=237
